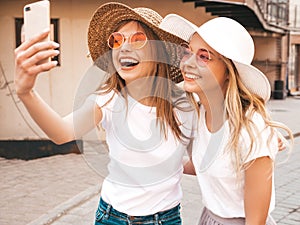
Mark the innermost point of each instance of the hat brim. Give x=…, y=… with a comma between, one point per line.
x=254, y=80
x=178, y=26
x=107, y=19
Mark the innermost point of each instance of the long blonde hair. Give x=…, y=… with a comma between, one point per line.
x=166, y=95
x=240, y=105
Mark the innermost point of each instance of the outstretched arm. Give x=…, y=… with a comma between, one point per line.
x=27, y=68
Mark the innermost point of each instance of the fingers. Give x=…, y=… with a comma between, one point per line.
x=33, y=49
x=22, y=54
x=31, y=53
x=32, y=64
x=34, y=57
x=38, y=38
x=30, y=61
x=42, y=67
x=281, y=144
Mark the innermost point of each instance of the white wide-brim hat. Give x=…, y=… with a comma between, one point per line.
x=230, y=39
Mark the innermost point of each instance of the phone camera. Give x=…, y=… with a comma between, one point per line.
x=27, y=8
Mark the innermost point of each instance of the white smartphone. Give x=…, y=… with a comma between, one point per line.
x=36, y=19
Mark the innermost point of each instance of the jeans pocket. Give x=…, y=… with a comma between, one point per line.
x=99, y=216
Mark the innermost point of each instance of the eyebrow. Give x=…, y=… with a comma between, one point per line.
x=206, y=50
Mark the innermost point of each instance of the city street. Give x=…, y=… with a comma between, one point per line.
x=64, y=189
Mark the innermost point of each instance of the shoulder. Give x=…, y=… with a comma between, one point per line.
x=103, y=97
x=261, y=141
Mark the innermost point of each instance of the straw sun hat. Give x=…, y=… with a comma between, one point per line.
x=230, y=39
x=107, y=19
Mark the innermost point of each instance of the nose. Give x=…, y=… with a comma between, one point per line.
x=126, y=45
x=191, y=61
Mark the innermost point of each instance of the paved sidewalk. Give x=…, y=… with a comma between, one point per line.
x=30, y=189
x=64, y=189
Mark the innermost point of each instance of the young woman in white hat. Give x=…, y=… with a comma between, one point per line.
x=234, y=152
x=148, y=122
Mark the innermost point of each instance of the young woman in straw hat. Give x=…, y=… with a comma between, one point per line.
x=234, y=152
x=148, y=122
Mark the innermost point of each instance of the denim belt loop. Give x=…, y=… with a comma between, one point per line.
x=156, y=218
x=107, y=212
x=128, y=220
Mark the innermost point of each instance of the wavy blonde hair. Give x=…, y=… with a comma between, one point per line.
x=240, y=105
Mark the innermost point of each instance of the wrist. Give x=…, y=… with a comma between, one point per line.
x=24, y=95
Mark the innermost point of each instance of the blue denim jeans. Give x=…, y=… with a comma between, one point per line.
x=106, y=214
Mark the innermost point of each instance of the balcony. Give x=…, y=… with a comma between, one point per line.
x=262, y=15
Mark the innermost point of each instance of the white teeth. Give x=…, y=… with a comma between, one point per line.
x=192, y=76
x=128, y=61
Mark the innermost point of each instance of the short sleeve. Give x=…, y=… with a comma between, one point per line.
x=265, y=141
x=105, y=102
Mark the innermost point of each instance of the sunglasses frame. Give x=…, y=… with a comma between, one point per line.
x=198, y=58
x=129, y=39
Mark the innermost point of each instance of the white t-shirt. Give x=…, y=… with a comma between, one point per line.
x=145, y=169
x=221, y=192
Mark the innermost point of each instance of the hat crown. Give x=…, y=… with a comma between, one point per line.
x=149, y=15
x=229, y=38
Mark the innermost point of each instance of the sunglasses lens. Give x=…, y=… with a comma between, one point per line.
x=185, y=51
x=138, y=40
x=115, y=40
x=203, y=56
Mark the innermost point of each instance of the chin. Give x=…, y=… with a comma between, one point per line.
x=191, y=87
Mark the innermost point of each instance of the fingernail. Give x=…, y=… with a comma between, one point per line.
x=56, y=45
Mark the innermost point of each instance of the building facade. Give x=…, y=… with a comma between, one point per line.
x=273, y=24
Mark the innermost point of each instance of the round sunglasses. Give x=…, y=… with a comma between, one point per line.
x=136, y=40
x=202, y=54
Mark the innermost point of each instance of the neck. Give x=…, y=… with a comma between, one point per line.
x=141, y=90
x=214, y=106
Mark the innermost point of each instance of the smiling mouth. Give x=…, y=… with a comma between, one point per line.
x=126, y=62
x=192, y=76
